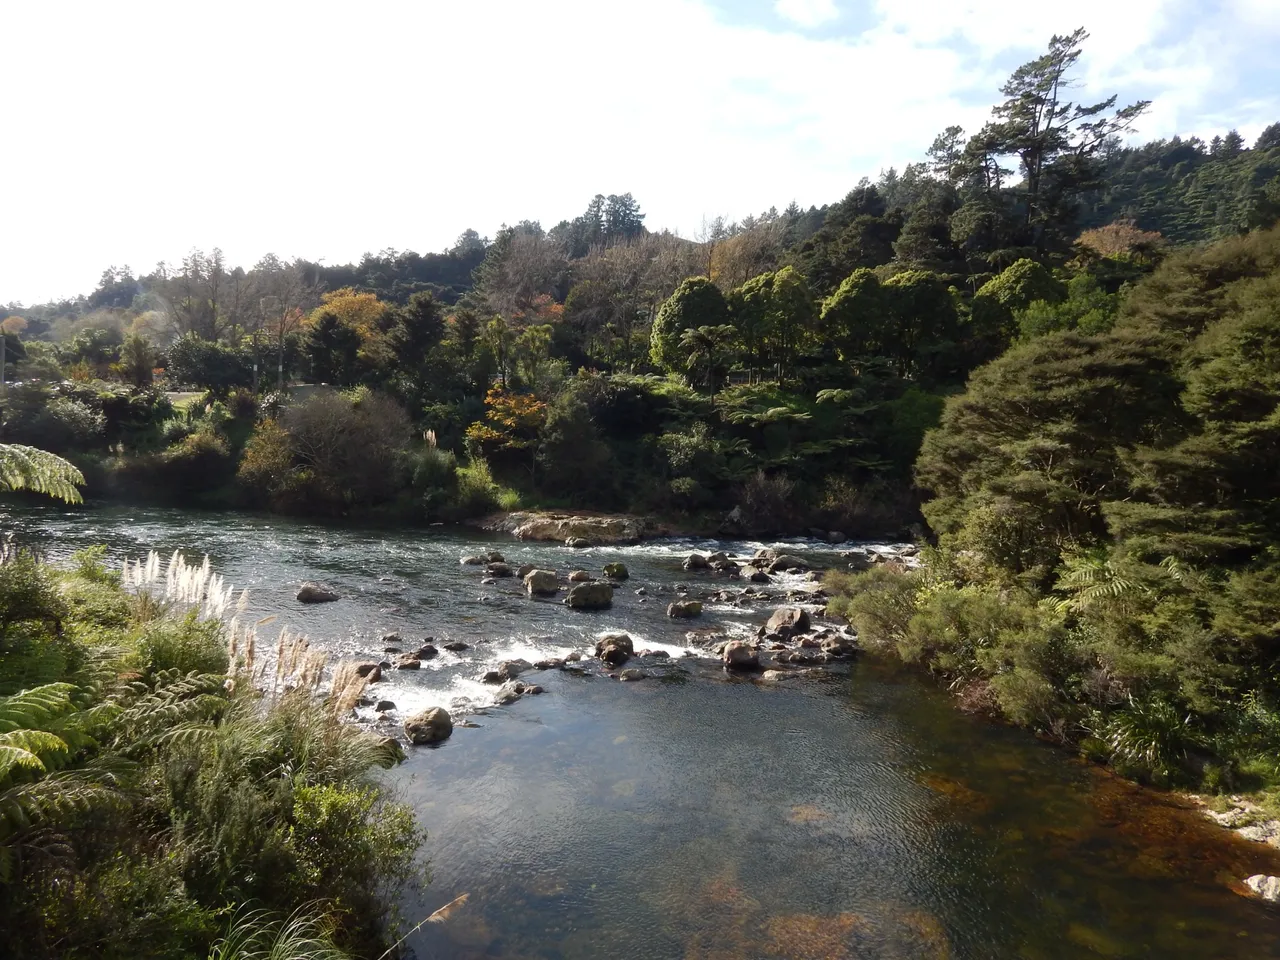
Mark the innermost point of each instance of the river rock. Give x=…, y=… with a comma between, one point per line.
x=739, y=656
x=590, y=596
x=488, y=581
x=773, y=676
x=786, y=564
x=473, y=561
x=759, y=576
x=555, y=663
x=408, y=662
x=426, y=652
x=573, y=657
x=695, y=561
x=524, y=570
x=541, y=583
x=838, y=647
x=510, y=669
x=835, y=536
x=566, y=527
x=579, y=543
x=429, y=726
x=370, y=671
x=499, y=569
x=509, y=692
x=615, y=648
x=315, y=593
x=1268, y=888
x=717, y=557
x=786, y=622
x=684, y=609
x=616, y=571
x=579, y=576
x=494, y=557
x=532, y=689
x=642, y=592
x=385, y=705
x=454, y=646
x=631, y=674
x=726, y=566
x=765, y=553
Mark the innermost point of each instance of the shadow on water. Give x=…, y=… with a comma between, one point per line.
x=853, y=816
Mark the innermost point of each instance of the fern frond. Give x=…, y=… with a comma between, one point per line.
x=28, y=468
x=36, y=707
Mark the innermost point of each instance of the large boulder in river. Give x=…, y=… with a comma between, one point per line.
x=372, y=672
x=586, y=530
x=429, y=726
x=696, y=561
x=787, y=564
x=590, y=596
x=314, y=593
x=739, y=656
x=616, y=571
x=541, y=583
x=684, y=609
x=786, y=622
x=615, y=648
x=499, y=569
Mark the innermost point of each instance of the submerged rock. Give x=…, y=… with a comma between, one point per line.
x=631, y=674
x=696, y=561
x=453, y=646
x=590, y=596
x=541, y=583
x=429, y=726
x=315, y=593
x=473, y=561
x=495, y=557
x=616, y=571
x=578, y=543
x=499, y=569
x=684, y=609
x=786, y=564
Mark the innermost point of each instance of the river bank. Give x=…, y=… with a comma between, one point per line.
x=851, y=812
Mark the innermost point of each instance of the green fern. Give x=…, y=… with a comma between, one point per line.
x=28, y=468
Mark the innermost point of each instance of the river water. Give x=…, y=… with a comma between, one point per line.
x=854, y=814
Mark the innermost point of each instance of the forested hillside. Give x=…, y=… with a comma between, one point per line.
x=787, y=364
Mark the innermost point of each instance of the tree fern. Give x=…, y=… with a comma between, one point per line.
x=28, y=468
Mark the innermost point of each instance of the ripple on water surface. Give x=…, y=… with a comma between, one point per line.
x=857, y=816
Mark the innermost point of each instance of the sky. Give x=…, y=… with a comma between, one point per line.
x=134, y=132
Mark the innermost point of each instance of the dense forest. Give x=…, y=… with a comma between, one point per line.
x=1052, y=354
x=788, y=364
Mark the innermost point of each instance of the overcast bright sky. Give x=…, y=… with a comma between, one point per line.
x=135, y=131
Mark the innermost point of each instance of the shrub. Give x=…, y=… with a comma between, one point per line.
x=200, y=463
x=477, y=493
x=184, y=645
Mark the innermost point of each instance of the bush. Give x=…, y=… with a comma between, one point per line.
x=202, y=462
x=435, y=480
x=477, y=493
x=184, y=645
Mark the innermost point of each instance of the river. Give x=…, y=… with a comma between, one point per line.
x=855, y=814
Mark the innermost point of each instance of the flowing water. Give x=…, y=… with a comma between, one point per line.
x=850, y=815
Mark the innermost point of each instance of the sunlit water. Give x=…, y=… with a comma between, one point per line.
x=853, y=815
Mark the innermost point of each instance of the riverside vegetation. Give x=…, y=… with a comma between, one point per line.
x=1074, y=362
x=156, y=803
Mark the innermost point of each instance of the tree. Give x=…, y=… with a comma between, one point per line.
x=1055, y=140
x=856, y=319
x=1269, y=139
x=708, y=353
x=332, y=347
x=697, y=302
x=511, y=424
x=137, y=360
x=27, y=468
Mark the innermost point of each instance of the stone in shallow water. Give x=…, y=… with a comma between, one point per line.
x=590, y=596
x=541, y=583
x=684, y=609
x=315, y=593
x=430, y=726
x=1268, y=888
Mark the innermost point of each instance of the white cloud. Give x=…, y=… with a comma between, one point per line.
x=807, y=13
x=308, y=130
